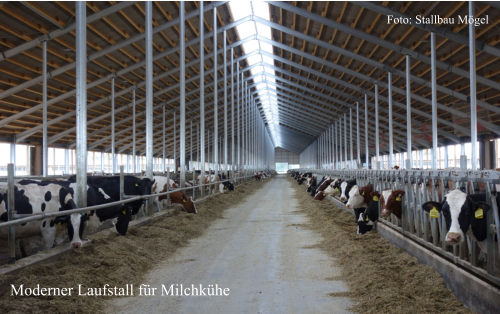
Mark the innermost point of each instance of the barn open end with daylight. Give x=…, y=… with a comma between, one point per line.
x=270, y=157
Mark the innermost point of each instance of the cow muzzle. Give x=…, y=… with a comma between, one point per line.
x=453, y=238
x=76, y=245
x=385, y=213
x=348, y=206
x=343, y=198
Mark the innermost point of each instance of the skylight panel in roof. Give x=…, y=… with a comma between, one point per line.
x=239, y=10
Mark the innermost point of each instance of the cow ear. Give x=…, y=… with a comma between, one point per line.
x=481, y=205
x=374, y=193
x=400, y=192
x=431, y=205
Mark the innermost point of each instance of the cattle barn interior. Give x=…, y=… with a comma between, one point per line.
x=399, y=95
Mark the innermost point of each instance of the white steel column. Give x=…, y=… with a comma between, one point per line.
x=351, y=134
x=182, y=95
x=473, y=96
x=149, y=89
x=358, y=153
x=391, y=142
x=434, y=102
x=163, y=140
x=224, y=54
x=81, y=103
x=367, y=155
x=134, y=161
x=232, y=112
x=202, y=100
x=45, y=149
x=216, y=115
x=409, y=161
x=377, y=146
x=113, y=156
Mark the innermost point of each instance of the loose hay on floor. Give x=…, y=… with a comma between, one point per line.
x=115, y=260
x=381, y=277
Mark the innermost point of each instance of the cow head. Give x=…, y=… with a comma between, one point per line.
x=345, y=189
x=391, y=202
x=333, y=188
x=460, y=212
x=144, y=187
x=74, y=221
x=359, y=197
x=228, y=186
x=365, y=224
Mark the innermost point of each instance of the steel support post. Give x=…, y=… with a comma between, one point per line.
x=202, y=101
x=391, y=140
x=345, y=141
x=446, y=156
x=66, y=161
x=45, y=149
x=358, y=152
x=377, y=133
x=216, y=114
x=473, y=96
x=238, y=113
x=175, y=143
x=367, y=155
x=191, y=146
x=163, y=140
x=232, y=112
x=409, y=161
x=182, y=62
x=341, y=146
x=434, y=102
x=11, y=239
x=149, y=92
x=335, y=156
x=225, y=99
x=81, y=103
x=113, y=156
x=134, y=161
x=351, y=134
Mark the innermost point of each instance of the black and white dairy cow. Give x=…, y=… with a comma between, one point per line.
x=95, y=196
x=131, y=185
x=37, y=198
x=463, y=214
x=345, y=188
x=369, y=216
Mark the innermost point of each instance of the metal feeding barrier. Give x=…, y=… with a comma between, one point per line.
x=15, y=219
x=422, y=186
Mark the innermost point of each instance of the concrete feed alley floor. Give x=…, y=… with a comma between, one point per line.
x=260, y=251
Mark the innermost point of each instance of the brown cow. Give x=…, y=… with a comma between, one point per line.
x=391, y=202
x=359, y=197
x=179, y=197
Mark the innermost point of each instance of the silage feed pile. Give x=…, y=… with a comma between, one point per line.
x=115, y=260
x=381, y=277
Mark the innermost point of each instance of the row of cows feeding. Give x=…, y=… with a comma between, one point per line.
x=464, y=214
x=48, y=196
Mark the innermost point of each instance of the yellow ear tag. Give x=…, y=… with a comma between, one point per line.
x=184, y=201
x=324, y=194
x=375, y=198
x=363, y=193
x=367, y=219
x=124, y=211
x=434, y=213
x=136, y=184
x=479, y=213
x=398, y=198
x=336, y=189
x=59, y=224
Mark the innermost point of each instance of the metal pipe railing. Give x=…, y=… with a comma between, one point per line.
x=421, y=186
